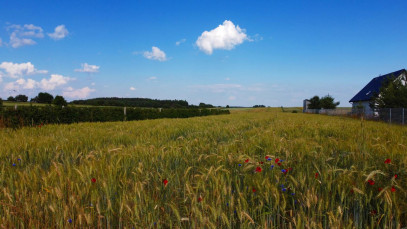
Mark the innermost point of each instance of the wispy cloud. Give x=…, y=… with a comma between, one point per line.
x=180, y=41
x=88, y=68
x=152, y=78
x=23, y=35
x=132, y=88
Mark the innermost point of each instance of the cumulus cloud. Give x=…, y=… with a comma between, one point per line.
x=53, y=82
x=23, y=35
x=77, y=93
x=180, y=41
x=225, y=36
x=132, y=88
x=155, y=54
x=59, y=32
x=45, y=84
x=88, y=68
x=15, y=70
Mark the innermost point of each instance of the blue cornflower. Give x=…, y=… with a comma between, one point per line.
x=283, y=170
x=292, y=194
x=19, y=159
x=268, y=159
x=272, y=166
x=282, y=186
x=227, y=204
x=69, y=220
x=240, y=164
x=14, y=164
x=155, y=223
x=284, y=189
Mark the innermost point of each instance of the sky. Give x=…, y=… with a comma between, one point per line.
x=236, y=53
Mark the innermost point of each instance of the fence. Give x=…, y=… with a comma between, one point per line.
x=390, y=115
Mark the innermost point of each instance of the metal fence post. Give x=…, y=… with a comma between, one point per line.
x=390, y=115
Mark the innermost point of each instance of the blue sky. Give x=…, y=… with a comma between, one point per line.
x=243, y=53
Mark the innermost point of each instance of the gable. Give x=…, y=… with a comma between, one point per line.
x=374, y=86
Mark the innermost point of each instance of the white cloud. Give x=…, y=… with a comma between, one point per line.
x=15, y=70
x=77, y=93
x=132, y=88
x=227, y=78
x=59, y=33
x=225, y=36
x=155, y=54
x=55, y=81
x=21, y=84
x=232, y=97
x=22, y=35
x=88, y=68
x=180, y=41
x=152, y=78
x=93, y=84
x=1, y=42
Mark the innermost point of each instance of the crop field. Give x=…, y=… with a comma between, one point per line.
x=257, y=168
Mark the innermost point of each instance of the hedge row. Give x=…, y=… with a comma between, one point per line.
x=36, y=115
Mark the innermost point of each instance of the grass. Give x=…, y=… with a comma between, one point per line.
x=46, y=173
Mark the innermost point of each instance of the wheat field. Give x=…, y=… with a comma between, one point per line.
x=257, y=168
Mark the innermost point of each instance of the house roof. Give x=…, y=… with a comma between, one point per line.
x=374, y=87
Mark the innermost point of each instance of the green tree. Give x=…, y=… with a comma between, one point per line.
x=1, y=103
x=327, y=102
x=314, y=103
x=392, y=94
x=44, y=97
x=21, y=98
x=59, y=101
x=11, y=99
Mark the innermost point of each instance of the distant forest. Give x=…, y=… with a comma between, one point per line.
x=137, y=102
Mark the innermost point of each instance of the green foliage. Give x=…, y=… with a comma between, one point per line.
x=11, y=99
x=203, y=105
x=21, y=98
x=44, y=97
x=314, y=103
x=392, y=94
x=326, y=102
x=35, y=115
x=59, y=101
x=1, y=102
x=133, y=102
x=256, y=106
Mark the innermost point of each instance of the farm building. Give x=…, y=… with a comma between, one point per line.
x=362, y=99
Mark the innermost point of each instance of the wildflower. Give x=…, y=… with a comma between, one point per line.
x=93, y=180
x=14, y=164
x=373, y=212
x=267, y=157
x=258, y=169
x=272, y=166
x=283, y=170
x=279, y=164
x=253, y=190
x=69, y=220
x=316, y=175
x=292, y=194
x=290, y=169
x=165, y=182
x=395, y=176
x=393, y=189
x=246, y=161
x=284, y=189
x=19, y=159
x=387, y=161
x=240, y=164
x=371, y=182
x=199, y=199
x=277, y=160
x=260, y=162
x=227, y=204
x=380, y=189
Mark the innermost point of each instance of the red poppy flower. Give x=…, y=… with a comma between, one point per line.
x=395, y=176
x=260, y=162
x=199, y=199
x=290, y=169
x=165, y=182
x=253, y=190
x=380, y=189
x=373, y=212
x=246, y=161
x=316, y=175
x=277, y=160
x=387, y=161
x=351, y=191
x=279, y=164
x=267, y=157
x=93, y=180
x=258, y=169
x=393, y=189
x=371, y=182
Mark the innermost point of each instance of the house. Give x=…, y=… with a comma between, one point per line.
x=361, y=101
